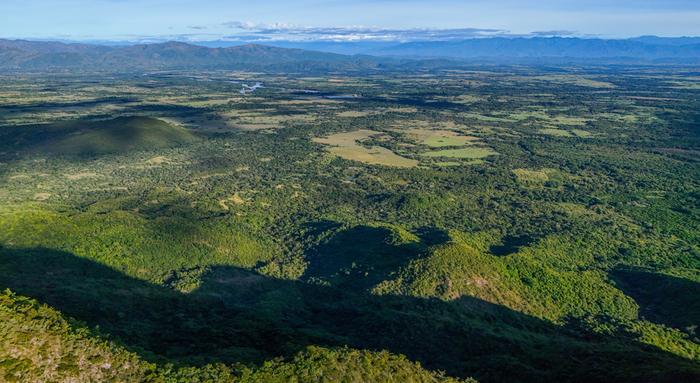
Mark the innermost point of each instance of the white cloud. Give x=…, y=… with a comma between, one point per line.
x=280, y=31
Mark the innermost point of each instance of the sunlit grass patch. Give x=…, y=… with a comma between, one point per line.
x=553, y=119
x=314, y=101
x=690, y=85
x=576, y=80
x=261, y=119
x=528, y=175
x=466, y=99
x=469, y=152
x=555, y=132
x=439, y=138
x=346, y=145
x=438, y=141
x=353, y=113
x=582, y=133
x=82, y=175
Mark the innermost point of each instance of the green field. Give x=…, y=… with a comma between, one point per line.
x=438, y=142
x=470, y=152
x=347, y=145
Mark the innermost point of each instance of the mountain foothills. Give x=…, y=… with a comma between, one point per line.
x=177, y=213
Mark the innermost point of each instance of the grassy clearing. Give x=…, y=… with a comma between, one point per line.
x=439, y=138
x=353, y=114
x=471, y=152
x=258, y=119
x=439, y=141
x=312, y=102
x=548, y=178
x=685, y=85
x=552, y=119
x=555, y=132
x=274, y=120
x=576, y=80
x=581, y=133
x=80, y=176
x=346, y=145
x=528, y=175
x=200, y=101
x=624, y=117
x=466, y=99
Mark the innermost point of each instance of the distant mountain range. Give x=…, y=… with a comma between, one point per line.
x=552, y=47
x=307, y=56
x=648, y=48
x=36, y=55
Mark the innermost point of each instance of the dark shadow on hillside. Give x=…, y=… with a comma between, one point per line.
x=663, y=299
x=359, y=257
x=240, y=316
x=317, y=228
x=511, y=244
x=432, y=236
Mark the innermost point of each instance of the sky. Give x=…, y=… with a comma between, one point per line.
x=350, y=20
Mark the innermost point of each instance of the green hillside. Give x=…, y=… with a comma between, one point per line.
x=89, y=138
x=119, y=135
x=38, y=344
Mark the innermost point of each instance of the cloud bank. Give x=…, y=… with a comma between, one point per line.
x=248, y=31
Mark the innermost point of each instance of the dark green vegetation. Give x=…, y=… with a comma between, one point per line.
x=86, y=138
x=165, y=227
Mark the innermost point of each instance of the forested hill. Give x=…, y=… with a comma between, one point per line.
x=35, y=55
